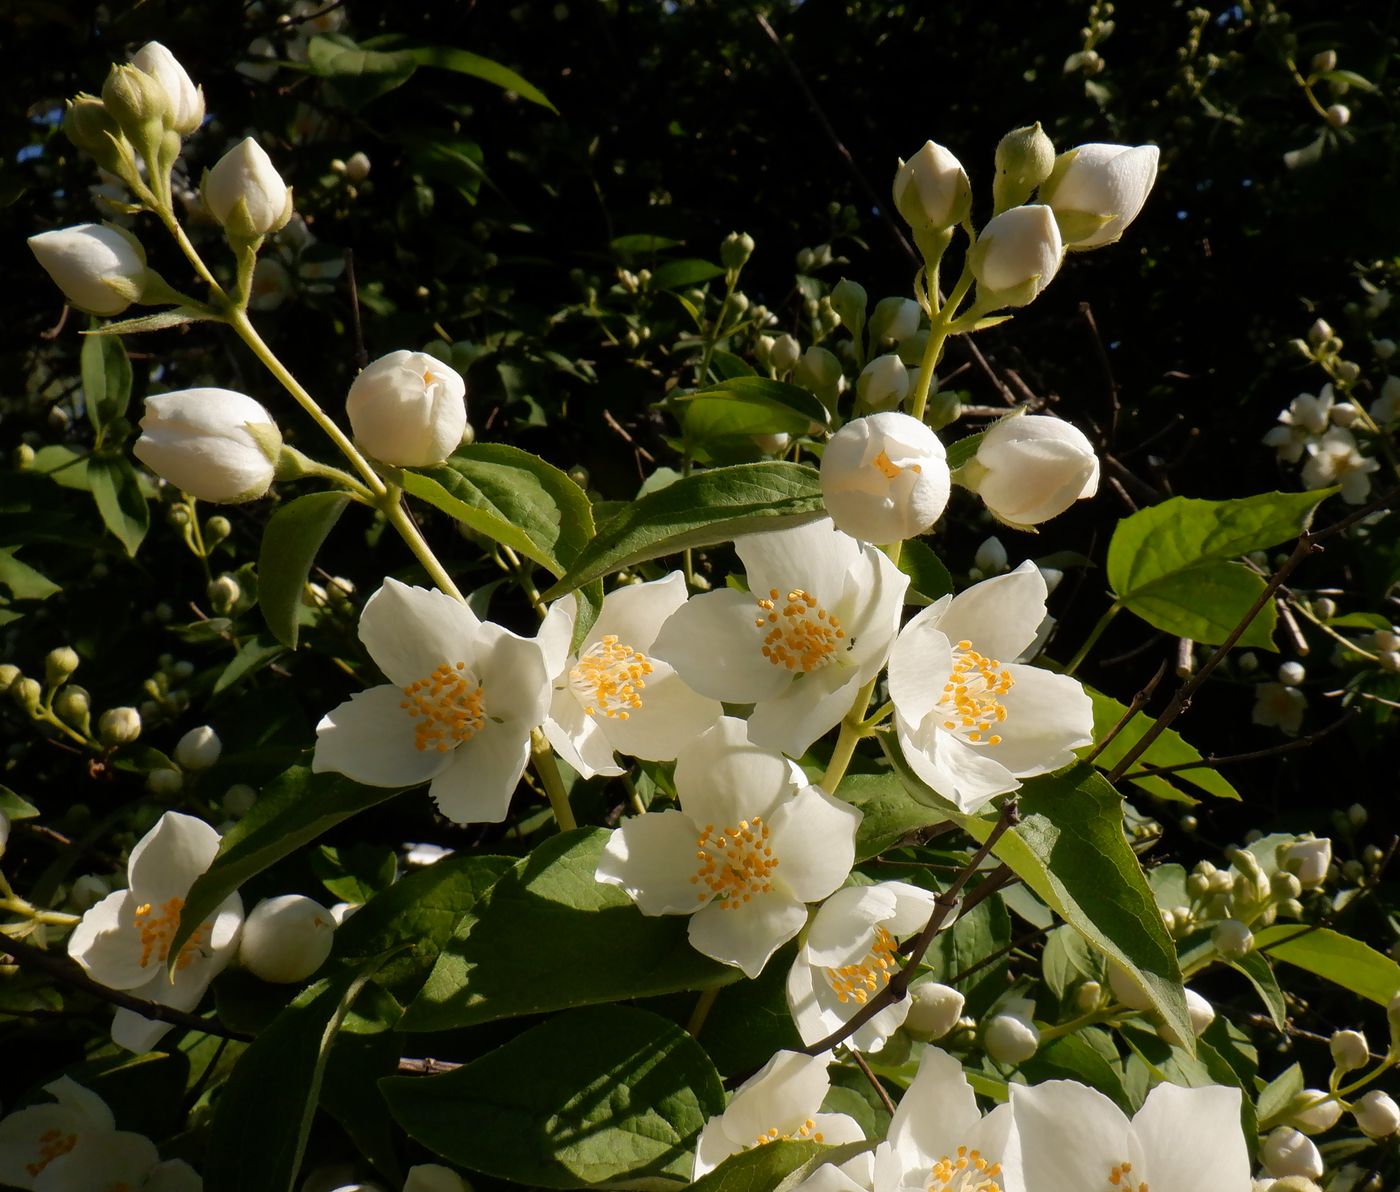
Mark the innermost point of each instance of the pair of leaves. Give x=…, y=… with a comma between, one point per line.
x=743, y=406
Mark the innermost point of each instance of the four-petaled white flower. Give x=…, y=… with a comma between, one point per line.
x=72, y=1145
x=124, y=941
x=782, y=1102
x=814, y=627
x=1073, y=1139
x=851, y=952
x=462, y=698
x=1305, y=420
x=613, y=694
x=750, y=846
x=1335, y=459
x=970, y=725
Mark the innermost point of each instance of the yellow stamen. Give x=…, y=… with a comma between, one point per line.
x=734, y=865
x=859, y=982
x=802, y=636
x=970, y=702
x=609, y=678
x=157, y=929
x=447, y=705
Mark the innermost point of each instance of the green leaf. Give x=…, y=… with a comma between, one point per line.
x=117, y=493
x=354, y=873
x=23, y=581
x=642, y=246
x=1278, y=1095
x=272, y=1093
x=605, y=1095
x=463, y=62
x=106, y=373
x=588, y=943
x=295, y=808
x=1256, y=968
x=1334, y=957
x=360, y=75
x=1068, y=960
x=290, y=541
x=928, y=577
x=254, y=654
x=761, y=1169
x=1169, y=749
x=888, y=812
x=677, y=275
x=698, y=510
x=1171, y=564
x=175, y=317
x=1073, y=1057
x=964, y=449
x=12, y=807
x=744, y=406
x=513, y=498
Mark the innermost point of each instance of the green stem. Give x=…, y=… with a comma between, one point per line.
x=399, y=519
x=522, y=577
x=853, y=730
x=1094, y=634
x=1089, y=1019
x=702, y=1010
x=937, y=336
x=542, y=756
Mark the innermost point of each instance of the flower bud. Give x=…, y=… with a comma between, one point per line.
x=1308, y=860
x=1200, y=1011
x=1324, y=608
x=885, y=478
x=1010, y=1036
x=224, y=594
x=1030, y=468
x=883, y=383
x=357, y=167
x=931, y=190
x=1097, y=190
x=246, y=194
x=214, y=444
x=1232, y=939
x=772, y=444
x=1357, y=815
x=1024, y=159
x=784, y=354
x=119, y=726
x=165, y=784
x=9, y=673
x=1384, y=348
x=238, y=800
x=848, y=299
x=185, y=100
x=1313, y=1111
x=138, y=103
x=199, y=748
x=73, y=706
x=1285, y=886
x=1290, y=674
x=991, y=558
x=934, y=1009
x=408, y=409
x=100, y=269
x=27, y=694
x=1088, y=996
x=1324, y=61
x=1016, y=256
x=1349, y=1050
x=286, y=939
x=1126, y=988
x=433, y=1177
x=1338, y=115
x=735, y=250
x=5, y=833
x=893, y=319
x=89, y=125
x=59, y=664
x=1287, y=1152
x=1377, y=1114
x=820, y=371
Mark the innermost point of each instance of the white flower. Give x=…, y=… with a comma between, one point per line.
x=939, y=1141
x=1336, y=459
x=893, y=319
x=1307, y=859
x=783, y=1101
x=814, y=627
x=1102, y=188
x=100, y=269
x=1306, y=418
x=186, y=100
x=73, y=1145
x=408, y=409
x=1030, y=468
x=286, y=938
x=750, y=846
x=931, y=189
x=883, y=383
x=850, y=954
x=614, y=695
x=214, y=444
x=124, y=941
x=245, y=193
x=972, y=726
x=1016, y=256
x=784, y=354
x=1386, y=408
x=1073, y=1139
x=885, y=478
x=462, y=698
x=1280, y=706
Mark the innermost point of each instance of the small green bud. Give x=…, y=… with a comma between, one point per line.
x=119, y=726
x=138, y=104
x=1284, y=886
x=164, y=783
x=1350, y=1050
x=848, y=299
x=944, y=408
x=1024, y=159
x=73, y=706
x=27, y=694
x=216, y=529
x=91, y=128
x=1089, y=996
x=224, y=594
x=238, y=800
x=59, y=664
x=22, y=457
x=1198, y=885
x=1232, y=939
x=9, y=673
x=735, y=250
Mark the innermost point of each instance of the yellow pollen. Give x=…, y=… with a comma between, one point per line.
x=807, y=1131
x=428, y=377
x=735, y=864
x=802, y=636
x=1120, y=1179
x=970, y=702
x=52, y=1144
x=157, y=929
x=889, y=469
x=447, y=705
x=609, y=678
x=858, y=982
x=965, y=1171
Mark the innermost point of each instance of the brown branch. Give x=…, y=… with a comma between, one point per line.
x=361, y=357
x=426, y=1067
x=943, y=906
x=1133, y=709
x=880, y=1090
x=1015, y=945
x=1150, y=770
x=67, y=972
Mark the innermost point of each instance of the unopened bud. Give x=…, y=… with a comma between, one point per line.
x=1313, y=1111
x=1324, y=61
x=1344, y=413
x=1290, y=674
x=238, y=800
x=1338, y=115
x=1284, y=886
x=893, y=319
x=1320, y=332
x=199, y=748
x=934, y=1010
x=1324, y=608
x=735, y=250
x=119, y=726
x=224, y=594
x=848, y=299
x=1288, y=1152
x=91, y=128
x=286, y=939
x=784, y=354
x=1232, y=939
x=27, y=694
x=1357, y=815
x=991, y=558
x=216, y=529
x=73, y=706
x=944, y=407
x=1010, y=1036
x=1390, y=661
x=138, y=103
x=165, y=783
x=1089, y=996
x=1200, y=1011
x=1024, y=159
x=357, y=167
x=1377, y=1114
x=1126, y=988
x=59, y=664
x=1349, y=1050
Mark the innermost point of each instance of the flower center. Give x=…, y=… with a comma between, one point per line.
x=447, y=705
x=609, y=678
x=1120, y=1179
x=806, y=1132
x=856, y=982
x=734, y=865
x=970, y=705
x=52, y=1144
x=802, y=635
x=157, y=926
x=965, y=1171
x=889, y=469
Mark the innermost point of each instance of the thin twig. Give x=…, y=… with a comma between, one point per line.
x=361, y=356
x=1150, y=770
x=1133, y=709
x=427, y=1067
x=879, y=1088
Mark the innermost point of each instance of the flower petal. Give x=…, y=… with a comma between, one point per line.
x=20, y=1132
x=722, y=777
x=953, y=769
x=815, y=557
x=514, y=679
x=714, y=645
x=1210, y=1116
x=99, y=1163
x=1048, y=716
x=166, y=861
x=936, y=1114
x=652, y=857
x=135, y=1033
x=782, y=1095
x=83, y=1102
x=556, y=632
x=671, y=716
x=1085, y=1132
x=748, y=934
x=370, y=738
x=802, y=712
x=870, y=606
x=636, y=612
x=409, y=632
x=477, y=785
x=577, y=738
x=107, y=943
x=1000, y=615
x=920, y=661
x=814, y=839
x=844, y=925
